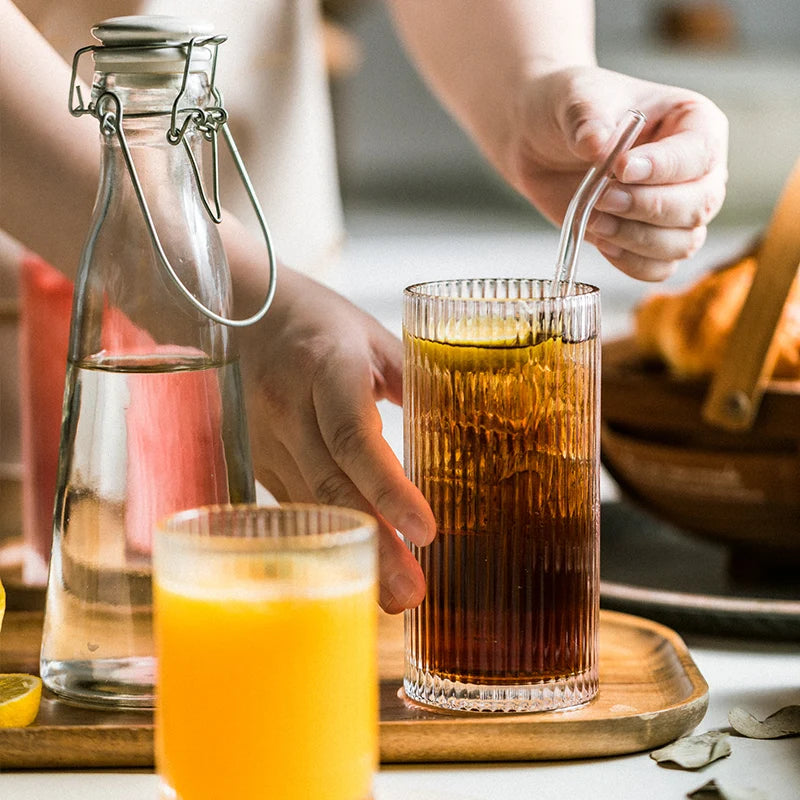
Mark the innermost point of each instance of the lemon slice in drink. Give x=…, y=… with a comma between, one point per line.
x=481, y=345
x=488, y=332
x=2, y=603
x=20, y=696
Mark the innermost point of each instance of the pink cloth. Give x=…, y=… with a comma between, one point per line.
x=46, y=304
x=175, y=455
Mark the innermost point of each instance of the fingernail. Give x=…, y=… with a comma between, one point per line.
x=403, y=589
x=591, y=129
x=637, y=169
x=605, y=225
x=416, y=529
x=388, y=602
x=615, y=200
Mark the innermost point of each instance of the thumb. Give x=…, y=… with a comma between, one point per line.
x=589, y=137
x=589, y=116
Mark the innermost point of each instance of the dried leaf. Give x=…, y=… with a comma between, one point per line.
x=693, y=752
x=716, y=790
x=785, y=722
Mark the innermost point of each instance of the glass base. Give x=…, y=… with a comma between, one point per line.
x=105, y=683
x=165, y=791
x=430, y=689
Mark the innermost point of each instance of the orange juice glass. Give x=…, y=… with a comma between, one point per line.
x=266, y=626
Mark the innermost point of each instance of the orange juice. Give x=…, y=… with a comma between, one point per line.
x=267, y=690
x=267, y=679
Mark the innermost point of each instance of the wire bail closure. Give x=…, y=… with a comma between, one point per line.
x=209, y=122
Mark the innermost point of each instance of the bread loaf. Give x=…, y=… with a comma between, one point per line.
x=688, y=330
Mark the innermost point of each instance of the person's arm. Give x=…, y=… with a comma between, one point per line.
x=314, y=367
x=520, y=76
x=479, y=56
x=48, y=158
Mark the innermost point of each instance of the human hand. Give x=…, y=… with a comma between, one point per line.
x=668, y=187
x=313, y=371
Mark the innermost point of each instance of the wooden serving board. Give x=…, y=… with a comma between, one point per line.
x=651, y=693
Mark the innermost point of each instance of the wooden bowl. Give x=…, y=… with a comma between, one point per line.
x=742, y=488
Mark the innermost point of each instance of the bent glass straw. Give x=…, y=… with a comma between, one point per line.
x=587, y=194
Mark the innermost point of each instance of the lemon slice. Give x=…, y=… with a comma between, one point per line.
x=488, y=355
x=20, y=696
x=488, y=332
x=2, y=603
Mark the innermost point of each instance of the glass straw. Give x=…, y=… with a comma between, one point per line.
x=585, y=197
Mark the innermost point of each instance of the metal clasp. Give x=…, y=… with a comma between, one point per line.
x=209, y=122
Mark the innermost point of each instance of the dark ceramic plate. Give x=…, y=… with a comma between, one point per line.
x=651, y=568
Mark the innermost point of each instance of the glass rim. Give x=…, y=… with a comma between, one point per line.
x=427, y=290
x=360, y=527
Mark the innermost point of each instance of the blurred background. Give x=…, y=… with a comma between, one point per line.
x=397, y=145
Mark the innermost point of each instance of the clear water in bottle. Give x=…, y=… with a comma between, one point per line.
x=143, y=436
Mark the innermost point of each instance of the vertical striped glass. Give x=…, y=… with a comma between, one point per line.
x=501, y=434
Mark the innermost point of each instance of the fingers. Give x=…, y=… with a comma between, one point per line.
x=333, y=452
x=315, y=430
x=637, y=266
x=653, y=241
x=668, y=190
x=402, y=584
x=388, y=356
x=286, y=485
x=646, y=230
x=687, y=140
x=313, y=475
x=645, y=252
x=351, y=429
x=685, y=205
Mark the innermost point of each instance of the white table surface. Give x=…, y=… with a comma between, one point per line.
x=384, y=254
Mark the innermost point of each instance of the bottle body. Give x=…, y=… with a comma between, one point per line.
x=171, y=439
x=153, y=417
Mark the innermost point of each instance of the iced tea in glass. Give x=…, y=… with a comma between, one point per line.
x=501, y=435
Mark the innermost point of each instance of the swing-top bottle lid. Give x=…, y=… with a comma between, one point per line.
x=151, y=43
x=165, y=48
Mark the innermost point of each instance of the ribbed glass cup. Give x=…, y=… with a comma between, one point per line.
x=501, y=433
x=266, y=630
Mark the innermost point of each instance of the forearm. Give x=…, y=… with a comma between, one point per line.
x=476, y=55
x=48, y=159
x=249, y=267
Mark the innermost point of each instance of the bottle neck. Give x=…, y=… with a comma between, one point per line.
x=121, y=255
x=162, y=165
x=147, y=99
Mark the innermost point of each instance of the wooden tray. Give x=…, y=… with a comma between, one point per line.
x=651, y=693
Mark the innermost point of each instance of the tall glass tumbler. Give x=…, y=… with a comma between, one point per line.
x=501, y=430
x=266, y=627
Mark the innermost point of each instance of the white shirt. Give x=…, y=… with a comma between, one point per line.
x=271, y=73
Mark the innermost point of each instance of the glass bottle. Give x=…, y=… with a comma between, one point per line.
x=153, y=416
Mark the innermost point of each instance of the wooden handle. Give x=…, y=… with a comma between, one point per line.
x=740, y=380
